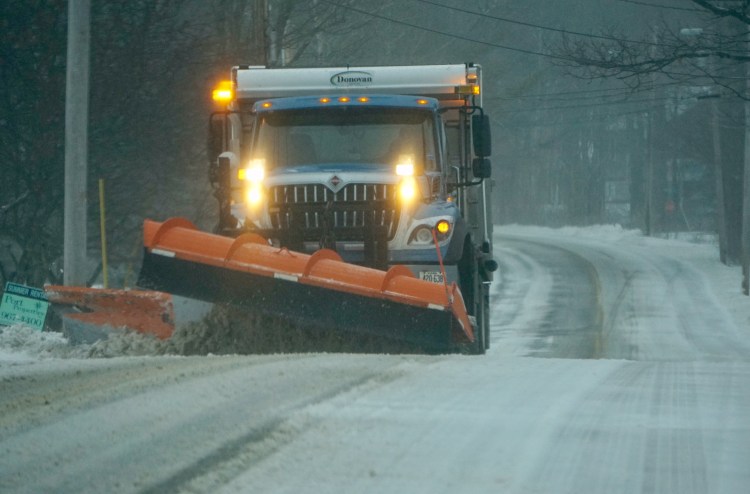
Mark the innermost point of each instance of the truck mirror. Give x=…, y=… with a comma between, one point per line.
x=227, y=164
x=481, y=167
x=215, y=145
x=481, y=135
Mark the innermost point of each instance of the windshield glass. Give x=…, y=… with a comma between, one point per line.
x=346, y=135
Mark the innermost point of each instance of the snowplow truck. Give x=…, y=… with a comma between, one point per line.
x=378, y=164
x=351, y=198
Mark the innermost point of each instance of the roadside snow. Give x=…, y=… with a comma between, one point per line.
x=20, y=343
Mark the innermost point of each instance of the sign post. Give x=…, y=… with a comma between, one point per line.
x=23, y=305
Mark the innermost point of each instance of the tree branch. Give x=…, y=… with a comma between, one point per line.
x=740, y=13
x=15, y=202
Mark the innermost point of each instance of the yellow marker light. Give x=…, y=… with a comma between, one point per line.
x=443, y=227
x=422, y=101
x=266, y=104
x=344, y=99
x=363, y=99
x=467, y=89
x=325, y=100
x=224, y=92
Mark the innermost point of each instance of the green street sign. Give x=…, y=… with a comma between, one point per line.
x=23, y=305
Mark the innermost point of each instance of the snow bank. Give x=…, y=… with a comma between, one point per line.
x=20, y=343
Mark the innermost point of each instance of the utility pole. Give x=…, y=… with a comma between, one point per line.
x=746, y=185
x=76, y=143
x=651, y=148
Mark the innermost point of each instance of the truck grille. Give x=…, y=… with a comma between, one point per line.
x=317, y=210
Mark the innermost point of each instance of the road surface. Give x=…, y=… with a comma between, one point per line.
x=613, y=369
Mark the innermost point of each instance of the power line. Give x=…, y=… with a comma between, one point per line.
x=569, y=122
x=463, y=38
x=591, y=105
x=537, y=26
x=443, y=33
x=618, y=91
x=657, y=6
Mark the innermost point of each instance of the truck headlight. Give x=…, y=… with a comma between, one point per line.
x=255, y=172
x=407, y=189
x=253, y=177
x=422, y=234
x=253, y=195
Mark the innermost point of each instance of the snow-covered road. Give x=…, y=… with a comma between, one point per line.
x=619, y=364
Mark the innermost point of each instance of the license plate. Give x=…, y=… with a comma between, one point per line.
x=433, y=276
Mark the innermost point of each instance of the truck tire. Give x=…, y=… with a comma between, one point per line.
x=475, y=298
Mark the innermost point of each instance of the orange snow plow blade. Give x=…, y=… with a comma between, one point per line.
x=318, y=289
x=145, y=311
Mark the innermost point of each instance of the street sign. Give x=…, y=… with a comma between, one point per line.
x=23, y=305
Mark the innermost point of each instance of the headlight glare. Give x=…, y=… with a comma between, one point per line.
x=253, y=195
x=407, y=189
x=255, y=172
x=405, y=169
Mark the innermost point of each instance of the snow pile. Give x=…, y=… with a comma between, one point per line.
x=20, y=343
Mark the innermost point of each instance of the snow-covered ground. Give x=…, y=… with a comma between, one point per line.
x=698, y=250
x=619, y=363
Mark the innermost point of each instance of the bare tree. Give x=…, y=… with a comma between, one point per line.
x=141, y=51
x=680, y=50
x=703, y=50
x=32, y=74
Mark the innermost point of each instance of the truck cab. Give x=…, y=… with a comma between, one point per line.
x=385, y=165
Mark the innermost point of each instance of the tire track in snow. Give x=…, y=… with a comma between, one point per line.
x=160, y=434
x=650, y=307
x=29, y=399
x=238, y=455
x=547, y=300
x=646, y=428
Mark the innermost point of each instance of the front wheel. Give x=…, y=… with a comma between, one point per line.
x=476, y=298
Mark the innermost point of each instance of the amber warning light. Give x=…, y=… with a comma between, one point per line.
x=468, y=89
x=224, y=92
x=443, y=227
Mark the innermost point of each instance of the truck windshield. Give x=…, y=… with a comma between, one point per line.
x=346, y=135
